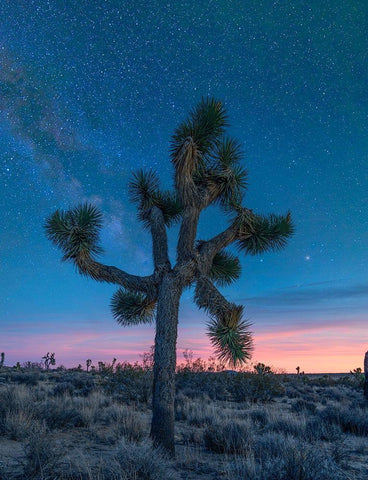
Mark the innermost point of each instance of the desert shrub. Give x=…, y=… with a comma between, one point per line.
x=130, y=426
x=270, y=444
x=129, y=383
x=351, y=420
x=61, y=413
x=303, y=406
x=288, y=426
x=61, y=389
x=77, y=383
x=108, y=415
x=315, y=430
x=17, y=425
x=296, y=461
x=43, y=455
x=255, y=388
x=5, y=471
x=214, y=386
x=193, y=412
x=259, y=417
x=140, y=462
x=30, y=378
x=228, y=437
x=16, y=405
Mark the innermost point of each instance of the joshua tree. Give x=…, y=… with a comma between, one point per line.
x=49, y=359
x=207, y=170
x=262, y=369
x=88, y=363
x=2, y=359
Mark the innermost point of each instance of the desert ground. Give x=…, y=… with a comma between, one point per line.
x=76, y=425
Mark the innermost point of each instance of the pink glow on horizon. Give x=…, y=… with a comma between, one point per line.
x=315, y=349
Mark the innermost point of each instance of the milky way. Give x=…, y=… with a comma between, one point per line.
x=90, y=91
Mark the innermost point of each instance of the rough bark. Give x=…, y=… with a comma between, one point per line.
x=187, y=234
x=162, y=427
x=159, y=240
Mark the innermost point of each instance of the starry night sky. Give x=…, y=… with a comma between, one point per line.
x=90, y=91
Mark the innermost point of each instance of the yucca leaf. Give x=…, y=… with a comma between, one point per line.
x=144, y=191
x=225, y=268
x=228, y=153
x=231, y=337
x=170, y=206
x=204, y=126
x=266, y=233
x=131, y=308
x=227, y=331
x=76, y=231
x=143, y=188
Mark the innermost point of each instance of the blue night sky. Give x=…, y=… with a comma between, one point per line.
x=91, y=91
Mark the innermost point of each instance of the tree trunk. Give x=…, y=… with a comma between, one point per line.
x=162, y=427
x=366, y=375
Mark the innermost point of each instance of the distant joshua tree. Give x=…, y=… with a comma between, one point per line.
x=297, y=370
x=2, y=359
x=88, y=363
x=262, y=369
x=48, y=359
x=207, y=171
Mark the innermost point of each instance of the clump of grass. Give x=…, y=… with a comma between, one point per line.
x=16, y=425
x=132, y=461
x=296, y=460
x=303, y=406
x=43, y=455
x=290, y=425
x=130, y=426
x=315, y=430
x=62, y=413
x=228, y=437
x=259, y=416
x=351, y=420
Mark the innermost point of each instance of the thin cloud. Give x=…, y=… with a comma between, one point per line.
x=306, y=297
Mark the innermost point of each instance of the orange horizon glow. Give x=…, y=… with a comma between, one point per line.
x=319, y=349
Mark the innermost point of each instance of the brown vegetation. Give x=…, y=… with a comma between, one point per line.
x=70, y=424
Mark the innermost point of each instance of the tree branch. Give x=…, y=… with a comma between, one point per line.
x=208, y=297
x=208, y=249
x=240, y=227
x=187, y=233
x=104, y=273
x=159, y=239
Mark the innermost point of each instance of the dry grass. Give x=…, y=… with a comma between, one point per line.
x=74, y=426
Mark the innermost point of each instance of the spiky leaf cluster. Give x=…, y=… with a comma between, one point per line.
x=144, y=191
x=225, y=178
x=76, y=231
x=132, y=308
x=204, y=125
x=265, y=233
x=230, y=336
x=228, y=333
x=225, y=268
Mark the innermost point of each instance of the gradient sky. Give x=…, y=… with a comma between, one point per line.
x=90, y=91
